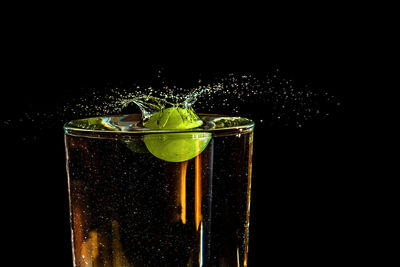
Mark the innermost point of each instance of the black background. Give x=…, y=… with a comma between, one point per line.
x=304, y=204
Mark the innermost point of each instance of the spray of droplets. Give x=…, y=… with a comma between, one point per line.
x=267, y=98
x=270, y=98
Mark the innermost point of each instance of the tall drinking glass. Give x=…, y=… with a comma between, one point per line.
x=150, y=198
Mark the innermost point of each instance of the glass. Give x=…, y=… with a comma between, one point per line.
x=142, y=198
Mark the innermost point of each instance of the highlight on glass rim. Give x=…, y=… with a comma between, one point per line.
x=167, y=187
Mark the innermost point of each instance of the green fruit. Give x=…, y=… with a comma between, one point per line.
x=175, y=147
x=174, y=118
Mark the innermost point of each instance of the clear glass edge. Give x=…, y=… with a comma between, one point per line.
x=71, y=130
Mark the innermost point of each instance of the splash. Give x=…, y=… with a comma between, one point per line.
x=168, y=106
x=268, y=98
x=171, y=112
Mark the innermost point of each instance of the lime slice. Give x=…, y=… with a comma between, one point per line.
x=175, y=147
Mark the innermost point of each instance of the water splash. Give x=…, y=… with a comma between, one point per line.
x=150, y=104
x=268, y=98
x=271, y=98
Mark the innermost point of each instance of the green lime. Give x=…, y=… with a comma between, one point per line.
x=175, y=147
x=174, y=118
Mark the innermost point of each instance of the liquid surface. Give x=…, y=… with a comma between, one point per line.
x=173, y=145
x=132, y=123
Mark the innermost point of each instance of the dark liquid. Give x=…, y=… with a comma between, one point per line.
x=131, y=209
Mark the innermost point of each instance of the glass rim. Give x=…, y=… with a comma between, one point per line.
x=245, y=126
